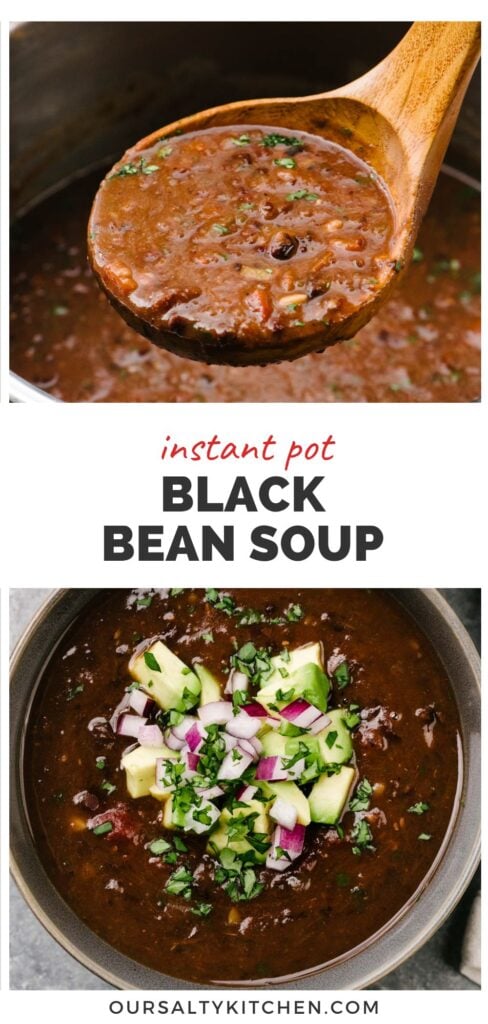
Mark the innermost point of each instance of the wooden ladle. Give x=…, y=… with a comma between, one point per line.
x=398, y=117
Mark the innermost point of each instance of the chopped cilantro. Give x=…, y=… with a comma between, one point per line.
x=180, y=845
x=202, y=909
x=311, y=197
x=418, y=808
x=362, y=796
x=103, y=829
x=159, y=846
x=351, y=716
x=221, y=602
x=342, y=675
x=75, y=691
x=362, y=837
x=151, y=661
x=285, y=161
x=180, y=883
x=294, y=613
x=274, y=139
x=108, y=787
x=141, y=167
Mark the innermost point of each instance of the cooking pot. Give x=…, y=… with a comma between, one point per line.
x=144, y=75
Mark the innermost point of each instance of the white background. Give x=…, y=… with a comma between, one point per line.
x=413, y=470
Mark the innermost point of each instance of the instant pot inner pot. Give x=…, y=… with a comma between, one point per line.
x=83, y=92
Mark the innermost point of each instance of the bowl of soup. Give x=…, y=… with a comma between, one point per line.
x=69, y=344
x=257, y=766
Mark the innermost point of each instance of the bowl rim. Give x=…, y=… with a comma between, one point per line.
x=370, y=973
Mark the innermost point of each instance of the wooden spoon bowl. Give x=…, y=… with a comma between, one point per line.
x=398, y=118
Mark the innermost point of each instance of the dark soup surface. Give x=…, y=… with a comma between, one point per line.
x=241, y=785
x=257, y=234
x=423, y=345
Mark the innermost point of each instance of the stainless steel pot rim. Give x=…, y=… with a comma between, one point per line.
x=395, y=953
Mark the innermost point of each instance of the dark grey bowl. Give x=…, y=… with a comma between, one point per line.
x=404, y=934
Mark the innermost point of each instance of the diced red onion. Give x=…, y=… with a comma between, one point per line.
x=277, y=863
x=88, y=800
x=150, y=736
x=182, y=728
x=248, y=747
x=94, y=722
x=129, y=725
x=300, y=713
x=216, y=712
x=121, y=707
x=246, y=793
x=289, y=840
x=192, y=761
x=292, y=840
x=258, y=746
x=270, y=769
x=273, y=723
x=255, y=710
x=141, y=703
x=320, y=723
x=212, y=793
x=172, y=741
x=232, y=768
x=284, y=813
x=195, y=736
x=243, y=726
x=236, y=681
x=229, y=741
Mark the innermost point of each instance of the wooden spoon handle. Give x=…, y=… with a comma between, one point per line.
x=420, y=86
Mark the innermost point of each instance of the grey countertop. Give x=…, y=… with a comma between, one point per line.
x=37, y=962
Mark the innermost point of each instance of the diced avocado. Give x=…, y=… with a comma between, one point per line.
x=292, y=794
x=165, y=677
x=219, y=839
x=211, y=689
x=168, y=814
x=274, y=744
x=159, y=794
x=329, y=796
x=308, y=654
x=335, y=741
x=308, y=682
x=140, y=768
